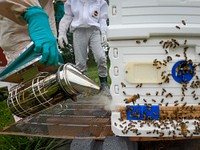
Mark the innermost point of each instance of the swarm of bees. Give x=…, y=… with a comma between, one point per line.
x=161, y=128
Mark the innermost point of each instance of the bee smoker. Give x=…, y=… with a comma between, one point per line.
x=46, y=90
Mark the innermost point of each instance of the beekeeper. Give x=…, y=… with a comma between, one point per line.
x=87, y=20
x=23, y=21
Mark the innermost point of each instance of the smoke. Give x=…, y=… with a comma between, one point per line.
x=99, y=99
x=105, y=100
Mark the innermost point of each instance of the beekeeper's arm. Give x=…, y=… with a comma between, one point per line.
x=102, y=21
x=64, y=24
x=30, y=11
x=59, y=10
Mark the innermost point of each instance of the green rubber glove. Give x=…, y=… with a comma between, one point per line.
x=59, y=11
x=42, y=36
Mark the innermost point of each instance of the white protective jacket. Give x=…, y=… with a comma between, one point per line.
x=14, y=36
x=84, y=13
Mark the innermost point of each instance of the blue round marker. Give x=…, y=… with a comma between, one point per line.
x=182, y=71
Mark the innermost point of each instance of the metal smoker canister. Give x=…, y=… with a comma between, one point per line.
x=45, y=90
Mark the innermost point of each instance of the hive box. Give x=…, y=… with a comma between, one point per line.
x=155, y=56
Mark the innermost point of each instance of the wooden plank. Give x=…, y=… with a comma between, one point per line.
x=160, y=138
x=174, y=112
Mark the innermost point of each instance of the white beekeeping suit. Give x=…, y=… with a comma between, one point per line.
x=87, y=20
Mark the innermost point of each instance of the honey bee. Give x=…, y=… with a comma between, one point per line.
x=174, y=40
x=129, y=108
x=169, y=58
x=137, y=115
x=137, y=41
x=183, y=129
x=185, y=48
x=176, y=104
x=131, y=99
x=165, y=61
x=124, y=92
x=145, y=40
x=167, y=46
x=124, y=132
x=155, y=61
x=115, y=124
x=140, y=85
x=185, y=42
x=162, y=73
x=149, y=132
x=153, y=100
x=124, y=122
x=120, y=119
x=161, y=134
x=184, y=104
x=123, y=84
x=169, y=94
x=183, y=22
x=197, y=77
x=138, y=133
x=161, y=42
x=176, y=101
x=163, y=77
x=178, y=27
x=177, y=55
x=164, y=90
x=155, y=64
x=157, y=93
x=149, y=107
x=148, y=94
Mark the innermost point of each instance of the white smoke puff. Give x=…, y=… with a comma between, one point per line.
x=99, y=99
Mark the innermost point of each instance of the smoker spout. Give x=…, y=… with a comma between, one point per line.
x=74, y=82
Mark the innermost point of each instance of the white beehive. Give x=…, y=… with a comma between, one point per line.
x=155, y=61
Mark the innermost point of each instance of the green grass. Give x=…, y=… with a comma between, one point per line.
x=5, y=115
x=92, y=71
x=10, y=142
x=32, y=143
